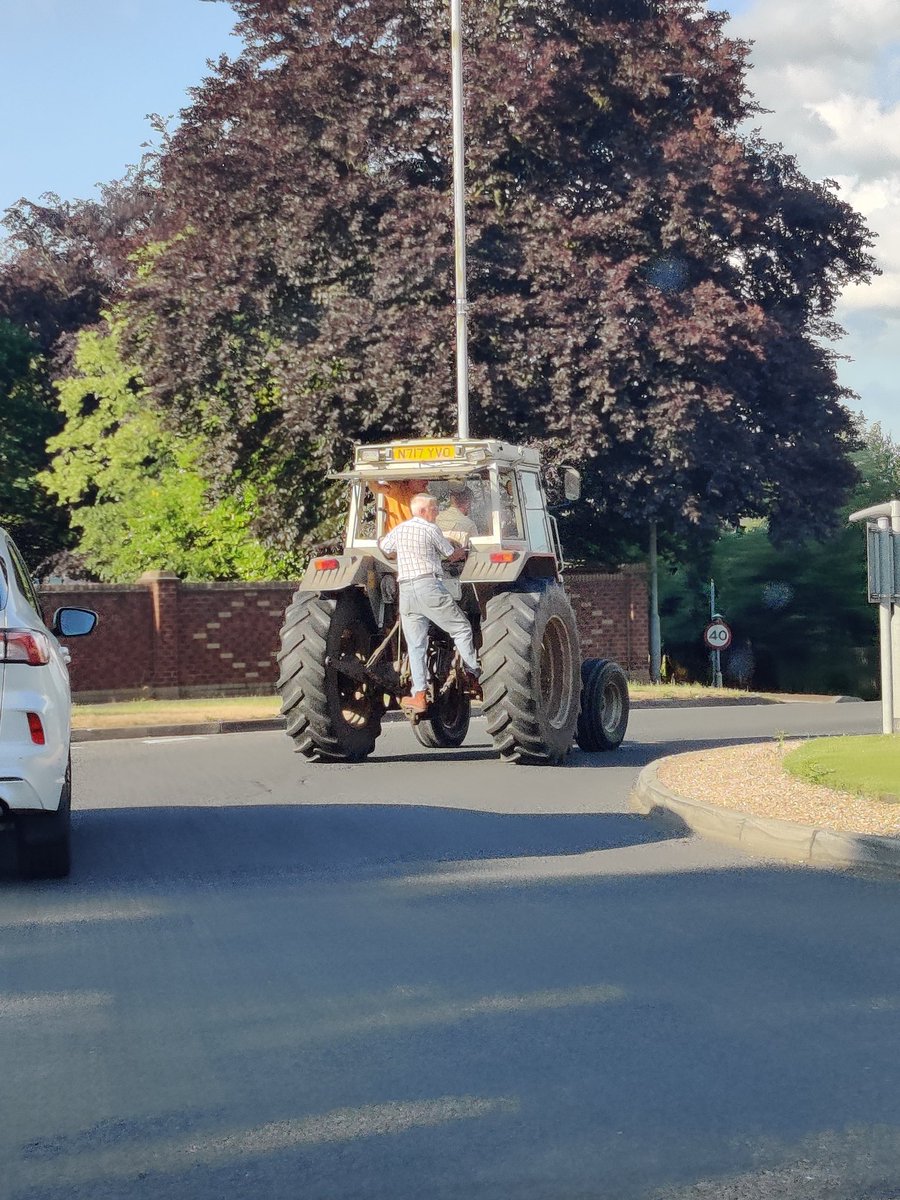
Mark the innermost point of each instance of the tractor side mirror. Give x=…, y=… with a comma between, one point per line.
x=571, y=483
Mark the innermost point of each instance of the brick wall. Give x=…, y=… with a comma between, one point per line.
x=228, y=633
x=612, y=613
x=162, y=637
x=118, y=655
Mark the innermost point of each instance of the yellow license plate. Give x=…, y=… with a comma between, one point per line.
x=422, y=453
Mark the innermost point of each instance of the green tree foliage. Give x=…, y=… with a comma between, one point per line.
x=137, y=499
x=60, y=263
x=800, y=614
x=647, y=289
x=26, y=421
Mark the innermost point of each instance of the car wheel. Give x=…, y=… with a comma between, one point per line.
x=44, y=838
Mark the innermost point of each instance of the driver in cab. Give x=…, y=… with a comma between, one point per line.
x=455, y=521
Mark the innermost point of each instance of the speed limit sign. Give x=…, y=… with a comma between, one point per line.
x=717, y=635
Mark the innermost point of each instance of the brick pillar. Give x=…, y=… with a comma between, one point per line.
x=163, y=586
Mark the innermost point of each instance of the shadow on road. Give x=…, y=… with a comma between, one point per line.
x=132, y=845
x=632, y=751
x=252, y=1028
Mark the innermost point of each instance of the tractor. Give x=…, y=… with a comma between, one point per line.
x=343, y=661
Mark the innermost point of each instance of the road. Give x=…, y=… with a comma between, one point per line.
x=432, y=975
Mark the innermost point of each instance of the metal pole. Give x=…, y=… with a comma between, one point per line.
x=895, y=624
x=712, y=613
x=715, y=655
x=655, y=634
x=459, y=222
x=885, y=608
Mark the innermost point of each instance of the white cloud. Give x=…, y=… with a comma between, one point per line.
x=879, y=202
x=847, y=32
x=828, y=72
x=860, y=132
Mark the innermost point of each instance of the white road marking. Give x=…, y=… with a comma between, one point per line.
x=183, y=737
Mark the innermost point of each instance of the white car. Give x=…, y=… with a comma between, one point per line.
x=35, y=719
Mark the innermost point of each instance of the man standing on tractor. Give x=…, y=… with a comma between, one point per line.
x=420, y=548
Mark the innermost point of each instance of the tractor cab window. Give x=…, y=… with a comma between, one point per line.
x=535, y=513
x=382, y=504
x=464, y=505
x=366, y=529
x=510, y=507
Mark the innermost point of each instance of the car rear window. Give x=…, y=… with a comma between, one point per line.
x=4, y=586
x=23, y=579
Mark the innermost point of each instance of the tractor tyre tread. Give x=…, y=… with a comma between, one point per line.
x=311, y=720
x=512, y=701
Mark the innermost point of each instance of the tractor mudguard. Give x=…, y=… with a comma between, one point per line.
x=480, y=568
x=348, y=569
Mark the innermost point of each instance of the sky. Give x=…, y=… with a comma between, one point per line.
x=79, y=77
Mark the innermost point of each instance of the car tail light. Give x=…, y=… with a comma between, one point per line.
x=36, y=729
x=504, y=556
x=24, y=646
x=326, y=564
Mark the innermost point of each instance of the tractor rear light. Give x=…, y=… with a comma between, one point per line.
x=504, y=556
x=36, y=729
x=326, y=564
x=24, y=646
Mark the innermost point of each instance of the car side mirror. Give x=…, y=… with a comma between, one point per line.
x=571, y=483
x=73, y=622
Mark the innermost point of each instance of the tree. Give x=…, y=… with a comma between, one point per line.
x=26, y=421
x=60, y=263
x=137, y=498
x=63, y=262
x=800, y=614
x=648, y=290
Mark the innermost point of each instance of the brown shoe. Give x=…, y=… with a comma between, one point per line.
x=473, y=684
x=416, y=703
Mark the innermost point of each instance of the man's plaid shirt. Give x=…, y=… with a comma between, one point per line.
x=420, y=547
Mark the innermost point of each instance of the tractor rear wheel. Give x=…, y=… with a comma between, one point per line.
x=604, y=705
x=331, y=714
x=530, y=673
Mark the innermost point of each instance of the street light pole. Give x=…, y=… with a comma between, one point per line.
x=459, y=222
x=655, y=635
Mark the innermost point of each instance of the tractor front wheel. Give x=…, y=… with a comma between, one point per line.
x=447, y=723
x=604, y=705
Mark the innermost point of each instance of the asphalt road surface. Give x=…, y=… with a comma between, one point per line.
x=435, y=976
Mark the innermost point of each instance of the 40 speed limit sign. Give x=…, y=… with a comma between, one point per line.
x=717, y=635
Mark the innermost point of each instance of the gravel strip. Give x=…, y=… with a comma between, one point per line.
x=751, y=779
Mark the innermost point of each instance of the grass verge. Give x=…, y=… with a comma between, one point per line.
x=865, y=766
x=129, y=713
x=685, y=691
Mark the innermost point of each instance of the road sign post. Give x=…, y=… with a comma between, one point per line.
x=883, y=563
x=716, y=637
